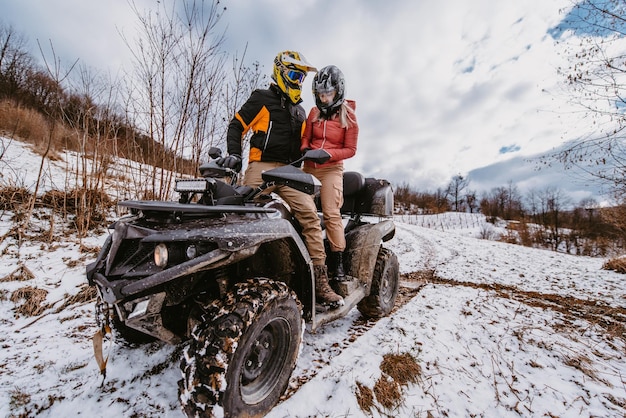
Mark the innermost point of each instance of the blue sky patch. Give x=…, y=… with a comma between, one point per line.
x=509, y=148
x=585, y=20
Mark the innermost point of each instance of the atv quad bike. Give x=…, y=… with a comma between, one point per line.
x=226, y=268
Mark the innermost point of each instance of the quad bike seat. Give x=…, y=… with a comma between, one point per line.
x=353, y=184
x=229, y=195
x=364, y=196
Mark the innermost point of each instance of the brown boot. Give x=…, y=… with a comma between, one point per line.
x=324, y=293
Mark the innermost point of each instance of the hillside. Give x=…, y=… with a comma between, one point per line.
x=491, y=329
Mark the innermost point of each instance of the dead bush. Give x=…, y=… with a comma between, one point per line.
x=76, y=200
x=12, y=197
x=32, y=298
x=88, y=207
x=616, y=264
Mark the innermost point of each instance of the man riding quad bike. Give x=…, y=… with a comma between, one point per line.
x=226, y=268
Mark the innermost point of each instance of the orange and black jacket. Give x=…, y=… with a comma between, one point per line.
x=276, y=126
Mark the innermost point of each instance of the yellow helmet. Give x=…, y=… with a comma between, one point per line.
x=290, y=68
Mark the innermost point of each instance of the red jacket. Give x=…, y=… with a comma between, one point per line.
x=339, y=142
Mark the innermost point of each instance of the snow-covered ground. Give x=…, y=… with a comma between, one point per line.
x=497, y=330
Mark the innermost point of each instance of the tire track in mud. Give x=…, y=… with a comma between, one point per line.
x=610, y=318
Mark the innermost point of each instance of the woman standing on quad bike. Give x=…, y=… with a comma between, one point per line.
x=331, y=126
x=276, y=119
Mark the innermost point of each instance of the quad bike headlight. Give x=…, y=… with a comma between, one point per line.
x=192, y=185
x=161, y=255
x=191, y=252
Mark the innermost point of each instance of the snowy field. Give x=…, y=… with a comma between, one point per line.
x=496, y=330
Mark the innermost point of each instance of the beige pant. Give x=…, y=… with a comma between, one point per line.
x=331, y=195
x=301, y=204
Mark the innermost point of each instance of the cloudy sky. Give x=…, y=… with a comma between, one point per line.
x=442, y=88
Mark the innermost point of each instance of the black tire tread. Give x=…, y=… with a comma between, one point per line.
x=205, y=360
x=372, y=306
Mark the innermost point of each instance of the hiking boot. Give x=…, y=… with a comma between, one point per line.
x=337, y=263
x=324, y=293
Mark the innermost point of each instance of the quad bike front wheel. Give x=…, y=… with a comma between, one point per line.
x=385, y=284
x=242, y=354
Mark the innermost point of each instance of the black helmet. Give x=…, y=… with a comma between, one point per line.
x=327, y=80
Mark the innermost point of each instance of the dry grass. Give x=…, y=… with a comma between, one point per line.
x=584, y=364
x=387, y=392
x=34, y=128
x=401, y=367
x=20, y=274
x=33, y=300
x=85, y=249
x=364, y=397
x=616, y=264
x=21, y=122
x=89, y=207
x=398, y=370
x=18, y=399
x=86, y=294
x=73, y=201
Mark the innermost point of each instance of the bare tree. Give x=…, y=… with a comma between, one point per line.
x=597, y=77
x=552, y=203
x=176, y=82
x=472, y=201
x=455, y=190
x=15, y=62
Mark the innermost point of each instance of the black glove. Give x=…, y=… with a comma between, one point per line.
x=305, y=150
x=232, y=161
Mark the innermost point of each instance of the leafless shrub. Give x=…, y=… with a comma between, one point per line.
x=487, y=231
x=32, y=298
x=12, y=197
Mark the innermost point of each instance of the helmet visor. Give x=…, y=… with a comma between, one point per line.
x=327, y=97
x=294, y=76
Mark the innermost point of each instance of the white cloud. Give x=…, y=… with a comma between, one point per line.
x=440, y=87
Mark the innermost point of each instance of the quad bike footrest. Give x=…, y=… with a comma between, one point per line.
x=346, y=286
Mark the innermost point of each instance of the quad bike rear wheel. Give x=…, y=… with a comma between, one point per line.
x=385, y=284
x=242, y=354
